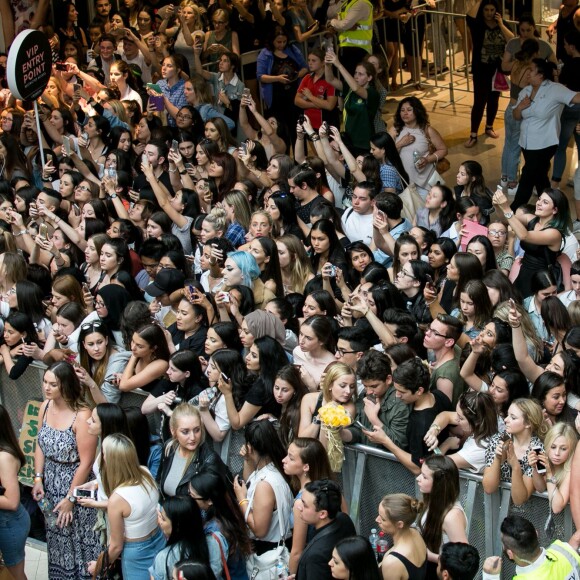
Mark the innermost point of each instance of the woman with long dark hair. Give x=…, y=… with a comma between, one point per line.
x=14, y=519
x=63, y=460
x=393, y=174
x=148, y=361
x=419, y=144
x=541, y=235
x=490, y=35
x=265, y=358
x=471, y=183
x=305, y=461
x=212, y=403
x=222, y=519
x=181, y=522
x=282, y=207
x=442, y=518
x=462, y=268
x=439, y=211
x=101, y=361
x=353, y=559
x=20, y=337
x=326, y=247
x=315, y=350
x=263, y=494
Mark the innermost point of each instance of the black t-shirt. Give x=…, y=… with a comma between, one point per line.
x=259, y=396
x=140, y=183
x=419, y=423
x=196, y=342
x=303, y=211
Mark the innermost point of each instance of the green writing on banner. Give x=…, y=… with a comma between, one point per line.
x=27, y=440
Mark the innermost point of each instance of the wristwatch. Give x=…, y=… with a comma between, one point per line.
x=508, y=215
x=72, y=499
x=113, y=196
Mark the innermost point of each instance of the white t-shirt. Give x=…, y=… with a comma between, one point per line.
x=358, y=227
x=474, y=454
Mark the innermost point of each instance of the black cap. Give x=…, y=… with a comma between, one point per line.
x=167, y=281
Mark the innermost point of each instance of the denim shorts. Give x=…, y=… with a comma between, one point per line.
x=138, y=556
x=14, y=528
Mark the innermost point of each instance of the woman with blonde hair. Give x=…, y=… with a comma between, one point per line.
x=295, y=265
x=220, y=40
x=338, y=387
x=187, y=453
x=506, y=456
x=534, y=345
x=188, y=30
x=407, y=558
x=134, y=534
x=238, y=214
x=560, y=445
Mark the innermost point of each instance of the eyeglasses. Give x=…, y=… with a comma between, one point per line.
x=405, y=273
x=432, y=331
x=96, y=323
x=99, y=304
x=497, y=233
x=342, y=352
x=82, y=188
x=182, y=116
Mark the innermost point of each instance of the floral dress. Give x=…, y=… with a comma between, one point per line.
x=71, y=547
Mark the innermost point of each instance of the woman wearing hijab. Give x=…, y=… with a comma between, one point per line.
x=258, y=324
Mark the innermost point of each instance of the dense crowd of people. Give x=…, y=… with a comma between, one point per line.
x=298, y=273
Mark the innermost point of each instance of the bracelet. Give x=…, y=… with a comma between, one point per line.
x=551, y=480
x=20, y=233
x=517, y=326
x=436, y=157
x=183, y=172
x=243, y=501
x=38, y=475
x=432, y=302
x=315, y=138
x=172, y=170
x=435, y=426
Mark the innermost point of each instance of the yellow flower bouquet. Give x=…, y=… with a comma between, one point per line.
x=332, y=418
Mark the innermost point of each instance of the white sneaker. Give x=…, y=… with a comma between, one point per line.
x=576, y=226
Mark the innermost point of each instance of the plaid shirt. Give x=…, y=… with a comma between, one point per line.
x=236, y=234
x=175, y=95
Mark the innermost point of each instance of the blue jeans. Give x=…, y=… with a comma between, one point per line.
x=510, y=158
x=570, y=117
x=137, y=557
x=14, y=528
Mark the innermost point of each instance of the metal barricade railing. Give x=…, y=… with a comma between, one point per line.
x=368, y=474
x=374, y=473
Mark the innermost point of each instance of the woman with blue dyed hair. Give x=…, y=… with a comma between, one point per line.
x=241, y=268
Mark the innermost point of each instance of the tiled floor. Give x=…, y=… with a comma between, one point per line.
x=36, y=564
x=452, y=121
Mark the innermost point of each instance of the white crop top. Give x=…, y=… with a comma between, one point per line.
x=143, y=517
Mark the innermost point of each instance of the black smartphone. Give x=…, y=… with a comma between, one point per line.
x=540, y=467
x=62, y=66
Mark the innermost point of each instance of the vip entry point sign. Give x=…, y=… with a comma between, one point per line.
x=29, y=65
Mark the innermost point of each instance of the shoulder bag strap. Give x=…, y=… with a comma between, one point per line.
x=224, y=561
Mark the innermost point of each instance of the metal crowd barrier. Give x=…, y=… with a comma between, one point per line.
x=367, y=475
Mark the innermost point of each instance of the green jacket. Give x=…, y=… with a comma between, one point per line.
x=393, y=414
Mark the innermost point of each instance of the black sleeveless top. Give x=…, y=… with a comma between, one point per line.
x=536, y=258
x=414, y=572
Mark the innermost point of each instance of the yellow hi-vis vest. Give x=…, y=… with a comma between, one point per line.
x=361, y=35
x=561, y=563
